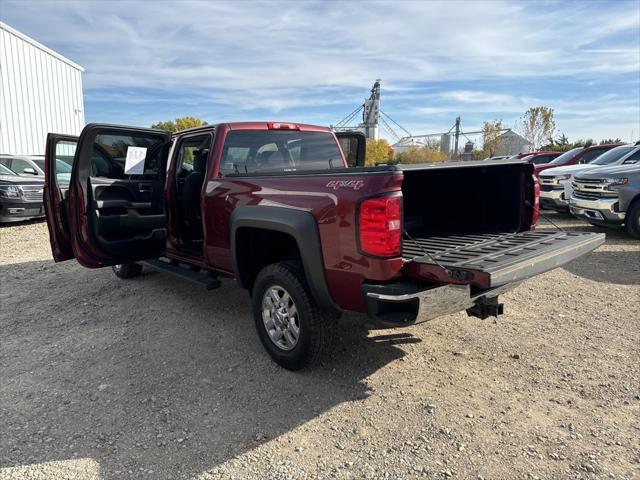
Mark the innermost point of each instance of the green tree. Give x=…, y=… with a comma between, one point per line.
x=606, y=141
x=538, y=126
x=178, y=124
x=562, y=140
x=560, y=144
x=378, y=151
x=420, y=155
x=491, y=140
x=478, y=154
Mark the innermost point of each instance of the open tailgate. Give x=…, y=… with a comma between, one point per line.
x=492, y=260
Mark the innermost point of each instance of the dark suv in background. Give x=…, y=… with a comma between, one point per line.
x=20, y=197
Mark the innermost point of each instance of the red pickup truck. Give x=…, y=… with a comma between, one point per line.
x=278, y=207
x=576, y=155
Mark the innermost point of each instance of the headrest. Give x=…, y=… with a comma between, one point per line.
x=200, y=160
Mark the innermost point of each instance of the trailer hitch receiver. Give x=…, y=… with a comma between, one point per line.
x=484, y=308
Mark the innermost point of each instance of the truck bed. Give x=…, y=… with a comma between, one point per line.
x=492, y=259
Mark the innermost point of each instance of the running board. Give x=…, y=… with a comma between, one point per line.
x=208, y=280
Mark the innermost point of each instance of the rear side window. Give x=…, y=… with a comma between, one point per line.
x=261, y=151
x=592, y=154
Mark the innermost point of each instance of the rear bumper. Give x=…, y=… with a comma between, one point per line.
x=16, y=211
x=404, y=303
x=554, y=200
x=602, y=210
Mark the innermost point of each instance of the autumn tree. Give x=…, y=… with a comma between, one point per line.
x=420, y=155
x=538, y=126
x=378, y=151
x=491, y=140
x=178, y=124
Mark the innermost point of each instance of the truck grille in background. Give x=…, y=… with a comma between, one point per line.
x=547, y=184
x=592, y=190
x=32, y=193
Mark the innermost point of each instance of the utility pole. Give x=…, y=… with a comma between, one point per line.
x=457, y=137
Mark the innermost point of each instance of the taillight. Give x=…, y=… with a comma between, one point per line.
x=536, y=201
x=282, y=126
x=380, y=226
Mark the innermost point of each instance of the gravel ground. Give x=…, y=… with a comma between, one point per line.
x=153, y=378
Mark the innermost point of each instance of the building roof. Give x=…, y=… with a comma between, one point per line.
x=47, y=50
x=511, y=133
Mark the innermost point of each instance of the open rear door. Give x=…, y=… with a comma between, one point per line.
x=116, y=195
x=354, y=147
x=58, y=162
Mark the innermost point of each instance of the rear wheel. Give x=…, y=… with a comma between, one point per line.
x=127, y=270
x=632, y=220
x=293, y=329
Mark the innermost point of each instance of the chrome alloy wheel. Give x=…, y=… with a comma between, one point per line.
x=280, y=317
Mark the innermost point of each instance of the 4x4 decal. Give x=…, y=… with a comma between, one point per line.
x=354, y=184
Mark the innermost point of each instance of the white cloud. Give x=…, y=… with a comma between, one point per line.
x=283, y=56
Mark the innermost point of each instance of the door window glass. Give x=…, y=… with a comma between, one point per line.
x=193, y=153
x=65, y=151
x=350, y=149
x=588, y=156
x=18, y=165
x=541, y=159
x=633, y=158
x=117, y=156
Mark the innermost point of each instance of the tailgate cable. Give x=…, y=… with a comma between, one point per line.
x=427, y=254
x=454, y=274
x=528, y=203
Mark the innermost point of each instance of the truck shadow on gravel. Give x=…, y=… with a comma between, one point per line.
x=619, y=264
x=154, y=375
x=621, y=267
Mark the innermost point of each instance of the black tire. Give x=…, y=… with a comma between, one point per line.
x=317, y=328
x=632, y=219
x=127, y=270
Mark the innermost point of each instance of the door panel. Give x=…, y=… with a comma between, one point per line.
x=117, y=195
x=354, y=146
x=58, y=162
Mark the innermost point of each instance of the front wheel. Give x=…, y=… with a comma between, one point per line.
x=293, y=329
x=127, y=270
x=632, y=220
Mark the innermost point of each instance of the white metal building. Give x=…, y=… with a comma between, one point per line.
x=40, y=92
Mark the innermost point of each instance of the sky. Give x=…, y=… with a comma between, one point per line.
x=315, y=62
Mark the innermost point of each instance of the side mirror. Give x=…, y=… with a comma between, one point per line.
x=30, y=171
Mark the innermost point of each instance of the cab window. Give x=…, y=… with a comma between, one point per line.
x=268, y=151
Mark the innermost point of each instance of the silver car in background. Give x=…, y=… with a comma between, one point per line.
x=556, y=184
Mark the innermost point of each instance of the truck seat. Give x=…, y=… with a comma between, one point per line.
x=275, y=161
x=191, y=195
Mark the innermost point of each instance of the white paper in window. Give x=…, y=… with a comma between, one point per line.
x=134, y=164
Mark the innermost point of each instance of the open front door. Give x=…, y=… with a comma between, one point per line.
x=58, y=163
x=354, y=147
x=116, y=195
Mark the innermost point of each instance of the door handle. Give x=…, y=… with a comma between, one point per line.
x=144, y=188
